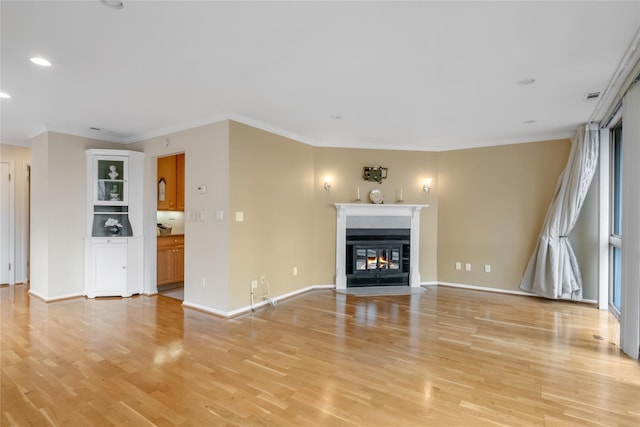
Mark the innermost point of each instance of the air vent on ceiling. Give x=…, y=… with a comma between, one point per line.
x=591, y=96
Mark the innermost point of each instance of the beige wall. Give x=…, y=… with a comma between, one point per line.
x=206, y=254
x=486, y=207
x=39, y=238
x=20, y=157
x=492, y=203
x=272, y=184
x=407, y=170
x=58, y=221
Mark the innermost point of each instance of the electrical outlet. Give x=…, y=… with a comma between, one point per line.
x=487, y=268
x=202, y=282
x=467, y=267
x=254, y=284
x=458, y=266
x=262, y=280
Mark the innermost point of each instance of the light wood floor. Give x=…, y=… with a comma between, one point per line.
x=447, y=357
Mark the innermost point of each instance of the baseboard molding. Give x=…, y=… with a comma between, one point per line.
x=506, y=291
x=205, y=309
x=54, y=299
x=429, y=283
x=246, y=309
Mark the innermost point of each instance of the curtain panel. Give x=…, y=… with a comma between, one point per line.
x=553, y=271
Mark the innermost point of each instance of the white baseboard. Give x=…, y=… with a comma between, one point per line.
x=246, y=309
x=505, y=291
x=58, y=298
x=204, y=308
x=429, y=283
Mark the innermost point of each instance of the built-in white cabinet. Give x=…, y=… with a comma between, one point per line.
x=114, y=242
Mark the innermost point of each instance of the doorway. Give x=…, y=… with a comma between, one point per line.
x=6, y=225
x=170, y=220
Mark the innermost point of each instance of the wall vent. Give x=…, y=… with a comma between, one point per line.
x=591, y=96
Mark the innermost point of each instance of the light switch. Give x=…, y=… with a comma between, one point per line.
x=202, y=189
x=239, y=216
x=219, y=215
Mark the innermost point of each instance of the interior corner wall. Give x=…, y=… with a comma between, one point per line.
x=206, y=240
x=407, y=171
x=39, y=238
x=492, y=204
x=21, y=157
x=58, y=213
x=271, y=186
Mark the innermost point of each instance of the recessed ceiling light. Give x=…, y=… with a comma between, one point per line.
x=41, y=61
x=4, y=95
x=336, y=117
x=112, y=4
x=527, y=81
x=529, y=122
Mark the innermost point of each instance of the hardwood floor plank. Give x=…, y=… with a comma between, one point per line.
x=445, y=357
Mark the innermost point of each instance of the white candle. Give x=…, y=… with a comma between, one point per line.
x=358, y=197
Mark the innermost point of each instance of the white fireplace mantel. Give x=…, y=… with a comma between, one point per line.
x=345, y=210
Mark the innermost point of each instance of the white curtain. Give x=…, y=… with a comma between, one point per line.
x=553, y=270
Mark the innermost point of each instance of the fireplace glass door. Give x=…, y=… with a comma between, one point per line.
x=377, y=259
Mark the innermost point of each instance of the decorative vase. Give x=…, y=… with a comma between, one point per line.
x=114, y=230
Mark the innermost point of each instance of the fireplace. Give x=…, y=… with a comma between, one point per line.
x=377, y=256
x=382, y=246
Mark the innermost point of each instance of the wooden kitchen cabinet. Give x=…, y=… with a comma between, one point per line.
x=171, y=171
x=180, y=182
x=170, y=259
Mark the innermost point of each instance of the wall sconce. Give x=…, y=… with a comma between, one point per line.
x=427, y=185
x=327, y=183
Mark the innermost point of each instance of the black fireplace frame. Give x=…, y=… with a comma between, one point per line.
x=377, y=238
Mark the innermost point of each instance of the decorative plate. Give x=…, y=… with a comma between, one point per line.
x=376, y=196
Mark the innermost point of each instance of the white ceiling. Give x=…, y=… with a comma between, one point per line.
x=402, y=75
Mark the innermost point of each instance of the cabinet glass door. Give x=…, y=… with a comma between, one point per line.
x=111, y=181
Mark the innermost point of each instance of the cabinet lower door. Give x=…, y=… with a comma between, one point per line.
x=166, y=265
x=110, y=268
x=180, y=263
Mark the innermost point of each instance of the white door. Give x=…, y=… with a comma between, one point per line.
x=4, y=223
